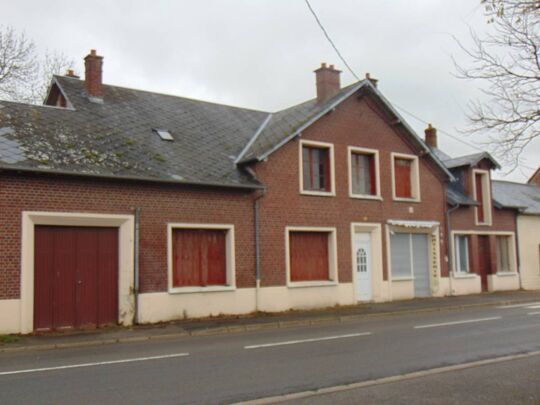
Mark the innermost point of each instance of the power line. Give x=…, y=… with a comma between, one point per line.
x=330, y=40
x=321, y=26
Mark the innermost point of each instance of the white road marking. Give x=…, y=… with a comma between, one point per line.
x=534, y=307
x=435, y=325
x=534, y=313
x=100, y=363
x=519, y=305
x=293, y=342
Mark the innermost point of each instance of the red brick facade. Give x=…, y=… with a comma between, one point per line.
x=352, y=123
x=159, y=205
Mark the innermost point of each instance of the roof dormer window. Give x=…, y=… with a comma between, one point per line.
x=164, y=134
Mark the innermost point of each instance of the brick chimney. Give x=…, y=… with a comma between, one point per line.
x=327, y=80
x=372, y=79
x=71, y=73
x=93, y=75
x=431, y=136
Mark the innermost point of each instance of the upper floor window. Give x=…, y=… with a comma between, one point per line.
x=405, y=177
x=483, y=196
x=317, y=168
x=363, y=173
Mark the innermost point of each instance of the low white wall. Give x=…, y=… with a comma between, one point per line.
x=402, y=289
x=506, y=282
x=162, y=306
x=10, y=316
x=469, y=284
x=275, y=299
x=529, y=256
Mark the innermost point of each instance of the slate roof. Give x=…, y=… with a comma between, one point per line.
x=470, y=160
x=517, y=195
x=116, y=139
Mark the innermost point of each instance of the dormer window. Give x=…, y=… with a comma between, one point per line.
x=164, y=134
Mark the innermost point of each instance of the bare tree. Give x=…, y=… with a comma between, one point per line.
x=506, y=62
x=24, y=74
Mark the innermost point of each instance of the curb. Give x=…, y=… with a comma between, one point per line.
x=221, y=330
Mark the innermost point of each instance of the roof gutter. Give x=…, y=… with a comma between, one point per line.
x=132, y=178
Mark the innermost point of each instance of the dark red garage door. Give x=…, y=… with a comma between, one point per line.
x=75, y=277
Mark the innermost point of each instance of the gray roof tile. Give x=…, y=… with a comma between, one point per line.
x=517, y=195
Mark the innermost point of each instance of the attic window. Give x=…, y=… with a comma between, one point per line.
x=164, y=134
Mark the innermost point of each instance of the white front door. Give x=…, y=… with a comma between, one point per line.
x=362, y=266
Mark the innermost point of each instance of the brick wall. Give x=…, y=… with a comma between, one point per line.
x=353, y=123
x=159, y=205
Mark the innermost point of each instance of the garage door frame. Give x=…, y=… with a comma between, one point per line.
x=125, y=224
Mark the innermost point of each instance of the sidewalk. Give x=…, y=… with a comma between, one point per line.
x=220, y=325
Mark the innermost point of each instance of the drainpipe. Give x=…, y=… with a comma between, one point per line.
x=257, y=248
x=516, y=249
x=136, y=265
x=449, y=247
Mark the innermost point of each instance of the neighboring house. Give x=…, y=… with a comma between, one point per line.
x=482, y=234
x=122, y=206
x=526, y=197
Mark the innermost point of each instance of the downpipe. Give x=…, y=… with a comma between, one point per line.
x=136, y=250
x=256, y=220
x=449, y=248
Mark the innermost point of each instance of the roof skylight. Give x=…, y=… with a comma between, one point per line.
x=164, y=134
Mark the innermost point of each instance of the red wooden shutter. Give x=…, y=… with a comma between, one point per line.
x=216, y=254
x=308, y=253
x=479, y=197
x=199, y=257
x=402, y=178
x=372, y=177
x=325, y=158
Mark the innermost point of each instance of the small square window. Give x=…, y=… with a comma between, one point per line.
x=164, y=134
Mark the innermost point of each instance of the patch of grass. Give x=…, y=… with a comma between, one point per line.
x=5, y=339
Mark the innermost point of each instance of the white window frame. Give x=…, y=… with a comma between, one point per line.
x=486, y=190
x=364, y=151
x=457, y=262
x=229, y=260
x=415, y=173
x=332, y=257
x=330, y=147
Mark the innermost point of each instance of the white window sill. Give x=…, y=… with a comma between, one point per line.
x=464, y=275
x=366, y=197
x=483, y=224
x=409, y=200
x=318, y=193
x=302, y=284
x=189, y=290
x=507, y=274
x=402, y=278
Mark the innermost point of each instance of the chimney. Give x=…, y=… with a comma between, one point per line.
x=71, y=73
x=371, y=79
x=431, y=136
x=93, y=76
x=327, y=80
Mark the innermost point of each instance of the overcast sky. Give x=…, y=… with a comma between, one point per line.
x=261, y=53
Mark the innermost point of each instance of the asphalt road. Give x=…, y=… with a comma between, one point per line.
x=244, y=366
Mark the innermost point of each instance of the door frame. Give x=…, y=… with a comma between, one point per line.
x=378, y=290
x=125, y=225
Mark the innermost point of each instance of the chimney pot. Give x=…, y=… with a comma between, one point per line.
x=371, y=79
x=93, y=80
x=431, y=136
x=328, y=82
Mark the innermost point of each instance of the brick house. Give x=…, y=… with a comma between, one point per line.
x=124, y=206
x=481, y=228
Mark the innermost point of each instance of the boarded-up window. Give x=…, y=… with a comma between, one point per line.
x=199, y=257
x=316, y=168
x=363, y=174
x=480, y=197
x=308, y=253
x=503, y=254
x=403, y=178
